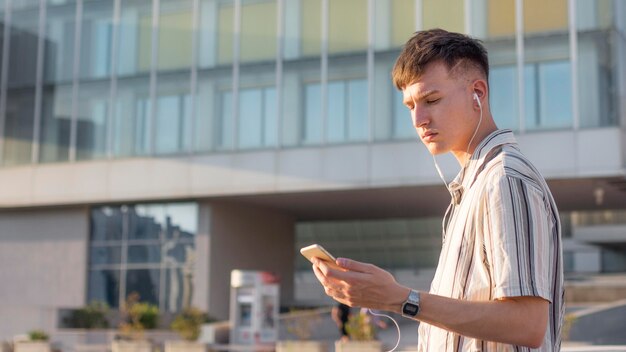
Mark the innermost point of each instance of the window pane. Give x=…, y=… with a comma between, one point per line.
x=173, y=118
x=143, y=227
x=224, y=137
x=311, y=27
x=358, y=123
x=446, y=14
x=402, y=21
x=96, y=35
x=175, y=34
x=540, y=16
x=258, y=30
x=207, y=33
x=500, y=18
x=386, y=114
x=105, y=255
x=299, y=103
x=178, y=289
x=20, y=99
x=312, y=133
x=142, y=254
x=402, y=123
x=270, y=117
x=344, y=35
x=145, y=282
x=93, y=111
x=18, y=126
x=104, y=286
x=106, y=224
x=336, y=123
x=556, y=97
x=503, y=96
x=250, y=118
x=159, y=236
x=59, y=44
x=226, y=37
x=132, y=117
x=207, y=103
x=56, y=116
x=531, y=105
x=135, y=37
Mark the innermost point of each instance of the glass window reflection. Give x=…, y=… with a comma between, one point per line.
x=312, y=133
x=158, y=244
x=258, y=30
x=96, y=39
x=59, y=43
x=503, y=96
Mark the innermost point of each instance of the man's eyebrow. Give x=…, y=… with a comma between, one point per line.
x=422, y=96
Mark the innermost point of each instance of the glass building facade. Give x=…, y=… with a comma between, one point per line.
x=144, y=248
x=100, y=79
x=92, y=80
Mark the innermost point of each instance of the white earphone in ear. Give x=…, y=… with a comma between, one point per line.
x=477, y=100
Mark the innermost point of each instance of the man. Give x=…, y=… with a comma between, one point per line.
x=499, y=282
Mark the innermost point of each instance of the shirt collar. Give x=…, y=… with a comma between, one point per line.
x=465, y=177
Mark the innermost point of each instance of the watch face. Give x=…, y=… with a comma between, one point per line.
x=410, y=309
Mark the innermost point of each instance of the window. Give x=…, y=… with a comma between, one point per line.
x=257, y=118
x=173, y=123
x=258, y=30
x=503, y=96
x=93, y=114
x=96, y=38
x=347, y=35
x=312, y=132
x=175, y=35
x=402, y=122
x=148, y=249
x=446, y=14
x=224, y=128
x=346, y=115
x=547, y=95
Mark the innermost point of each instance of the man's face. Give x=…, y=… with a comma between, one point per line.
x=441, y=109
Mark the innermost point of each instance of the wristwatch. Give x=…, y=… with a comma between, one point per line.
x=411, y=307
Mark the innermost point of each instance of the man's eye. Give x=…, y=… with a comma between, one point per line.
x=432, y=101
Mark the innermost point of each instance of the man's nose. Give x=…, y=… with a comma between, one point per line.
x=419, y=117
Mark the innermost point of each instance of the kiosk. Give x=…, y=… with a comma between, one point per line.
x=254, y=302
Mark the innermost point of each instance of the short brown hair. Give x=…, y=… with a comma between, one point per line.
x=433, y=45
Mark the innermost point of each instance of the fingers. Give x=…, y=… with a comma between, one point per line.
x=353, y=265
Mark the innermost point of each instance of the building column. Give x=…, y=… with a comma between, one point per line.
x=242, y=237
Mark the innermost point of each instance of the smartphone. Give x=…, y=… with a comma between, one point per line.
x=315, y=250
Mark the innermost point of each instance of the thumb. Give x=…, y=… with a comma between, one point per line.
x=353, y=265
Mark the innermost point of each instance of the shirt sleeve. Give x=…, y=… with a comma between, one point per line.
x=517, y=238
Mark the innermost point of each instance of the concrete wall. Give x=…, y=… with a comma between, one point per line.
x=247, y=238
x=558, y=154
x=43, y=266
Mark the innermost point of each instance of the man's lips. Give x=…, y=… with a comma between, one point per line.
x=428, y=135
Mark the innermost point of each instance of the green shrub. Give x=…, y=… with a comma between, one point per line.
x=38, y=335
x=187, y=323
x=93, y=316
x=138, y=316
x=359, y=327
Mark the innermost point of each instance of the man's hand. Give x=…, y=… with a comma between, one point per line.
x=513, y=320
x=360, y=284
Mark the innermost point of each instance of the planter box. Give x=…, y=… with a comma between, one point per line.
x=184, y=346
x=131, y=346
x=301, y=346
x=32, y=347
x=358, y=346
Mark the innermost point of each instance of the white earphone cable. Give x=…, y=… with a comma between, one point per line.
x=394, y=321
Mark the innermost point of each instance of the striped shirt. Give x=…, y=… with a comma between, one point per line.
x=501, y=238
